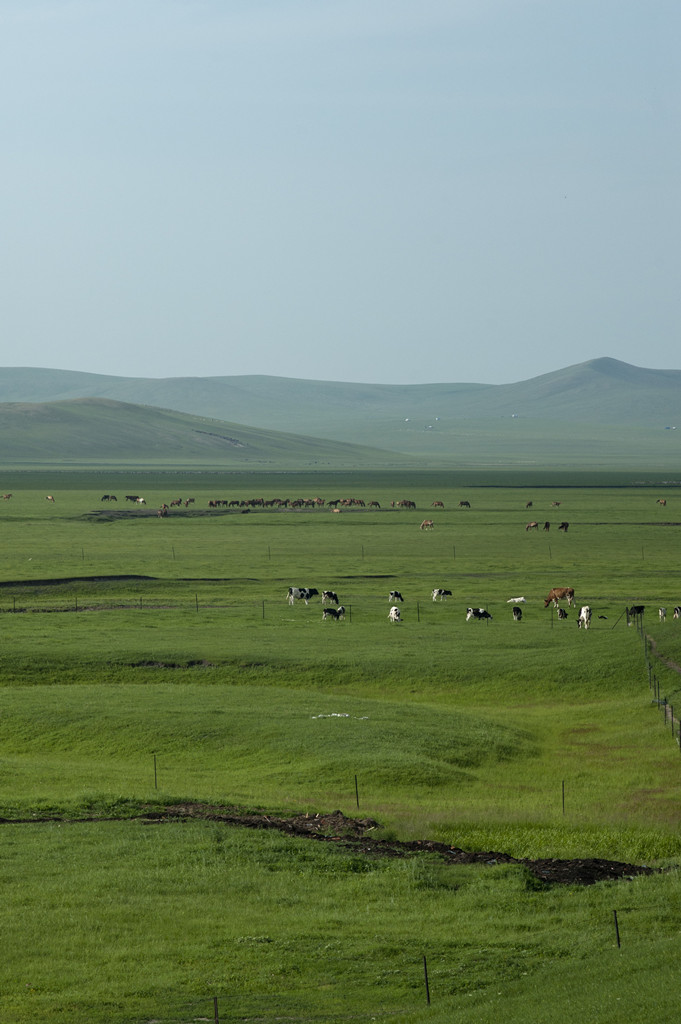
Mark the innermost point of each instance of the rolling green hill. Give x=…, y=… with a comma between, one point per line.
x=96, y=431
x=604, y=391
x=602, y=414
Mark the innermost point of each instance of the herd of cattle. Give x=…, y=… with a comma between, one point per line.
x=555, y=595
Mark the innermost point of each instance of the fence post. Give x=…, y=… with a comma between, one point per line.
x=425, y=975
x=215, y=1009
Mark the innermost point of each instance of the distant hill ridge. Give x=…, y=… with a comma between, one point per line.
x=603, y=413
x=601, y=390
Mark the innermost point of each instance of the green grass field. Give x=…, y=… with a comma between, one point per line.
x=149, y=661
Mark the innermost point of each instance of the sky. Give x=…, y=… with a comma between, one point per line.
x=380, y=191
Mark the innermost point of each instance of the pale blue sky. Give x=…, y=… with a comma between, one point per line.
x=360, y=190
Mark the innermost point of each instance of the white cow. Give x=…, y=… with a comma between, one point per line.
x=516, y=600
x=584, y=617
x=301, y=594
x=394, y=614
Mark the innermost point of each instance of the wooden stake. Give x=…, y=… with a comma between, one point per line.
x=425, y=975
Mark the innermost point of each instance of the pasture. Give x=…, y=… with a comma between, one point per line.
x=148, y=662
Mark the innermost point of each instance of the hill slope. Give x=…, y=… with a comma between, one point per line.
x=99, y=431
x=604, y=391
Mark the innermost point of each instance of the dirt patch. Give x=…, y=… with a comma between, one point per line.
x=356, y=834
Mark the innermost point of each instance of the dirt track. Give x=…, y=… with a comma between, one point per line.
x=356, y=834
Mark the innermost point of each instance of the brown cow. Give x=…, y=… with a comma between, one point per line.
x=427, y=524
x=532, y=526
x=560, y=593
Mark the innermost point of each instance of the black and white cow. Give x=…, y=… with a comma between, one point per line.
x=329, y=595
x=562, y=614
x=395, y=595
x=677, y=612
x=334, y=613
x=441, y=593
x=479, y=613
x=517, y=614
x=394, y=614
x=584, y=617
x=301, y=594
x=635, y=612
x=663, y=614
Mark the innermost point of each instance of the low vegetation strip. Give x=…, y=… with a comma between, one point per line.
x=356, y=834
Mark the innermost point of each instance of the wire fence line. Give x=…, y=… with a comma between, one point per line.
x=671, y=720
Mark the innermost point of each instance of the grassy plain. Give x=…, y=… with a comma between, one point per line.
x=128, y=638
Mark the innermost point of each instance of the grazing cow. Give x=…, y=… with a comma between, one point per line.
x=480, y=613
x=562, y=614
x=140, y=501
x=301, y=594
x=547, y=527
x=162, y=512
x=6, y=497
x=438, y=504
x=109, y=497
x=131, y=497
x=564, y=527
x=374, y=504
x=528, y=505
x=559, y=593
x=661, y=501
x=516, y=600
x=517, y=614
x=48, y=497
x=441, y=593
x=584, y=617
x=334, y=613
x=394, y=614
x=555, y=504
x=635, y=612
x=534, y=525
x=464, y=504
x=677, y=612
x=176, y=503
x=663, y=614
x=427, y=524
x=329, y=595
x=395, y=595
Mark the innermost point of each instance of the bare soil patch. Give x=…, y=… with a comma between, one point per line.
x=356, y=834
